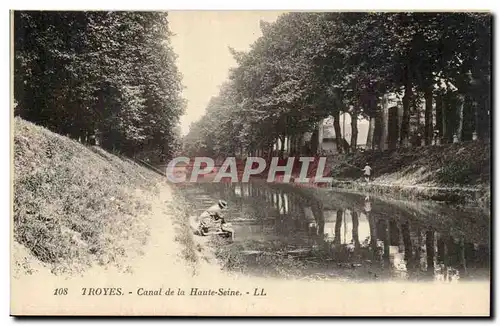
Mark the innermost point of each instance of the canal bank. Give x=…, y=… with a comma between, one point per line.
x=457, y=173
x=479, y=196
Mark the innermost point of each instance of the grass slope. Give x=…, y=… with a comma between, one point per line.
x=461, y=170
x=75, y=206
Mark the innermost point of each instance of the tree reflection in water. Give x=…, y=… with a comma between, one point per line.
x=397, y=239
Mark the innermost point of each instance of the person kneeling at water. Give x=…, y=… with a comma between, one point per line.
x=212, y=218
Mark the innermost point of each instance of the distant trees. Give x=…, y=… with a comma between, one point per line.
x=109, y=76
x=308, y=66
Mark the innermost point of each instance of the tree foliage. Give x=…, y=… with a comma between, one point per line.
x=110, y=75
x=308, y=66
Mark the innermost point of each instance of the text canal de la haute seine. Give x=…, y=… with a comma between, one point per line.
x=160, y=291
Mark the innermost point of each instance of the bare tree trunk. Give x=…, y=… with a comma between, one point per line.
x=405, y=124
x=477, y=119
x=460, y=116
x=397, y=141
x=313, y=144
x=469, y=118
x=485, y=117
x=448, y=118
x=371, y=132
x=377, y=131
x=428, y=130
x=282, y=145
x=354, y=131
x=320, y=137
x=384, y=125
x=338, y=226
x=439, y=116
x=338, y=134
x=298, y=148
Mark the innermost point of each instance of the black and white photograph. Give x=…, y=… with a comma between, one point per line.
x=251, y=163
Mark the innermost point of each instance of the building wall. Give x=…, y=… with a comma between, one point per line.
x=329, y=146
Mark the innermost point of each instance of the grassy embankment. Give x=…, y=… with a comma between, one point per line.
x=454, y=172
x=75, y=206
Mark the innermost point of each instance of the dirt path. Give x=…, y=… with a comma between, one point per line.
x=163, y=252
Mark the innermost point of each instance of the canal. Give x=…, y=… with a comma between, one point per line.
x=283, y=230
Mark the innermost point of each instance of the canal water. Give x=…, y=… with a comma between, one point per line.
x=282, y=230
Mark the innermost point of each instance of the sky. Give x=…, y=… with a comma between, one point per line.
x=201, y=41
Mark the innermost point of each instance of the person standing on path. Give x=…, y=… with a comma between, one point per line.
x=367, y=172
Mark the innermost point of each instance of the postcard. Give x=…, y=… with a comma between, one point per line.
x=251, y=163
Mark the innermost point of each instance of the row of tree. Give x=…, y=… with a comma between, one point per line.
x=104, y=76
x=309, y=66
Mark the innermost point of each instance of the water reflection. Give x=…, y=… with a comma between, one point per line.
x=387, y=240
